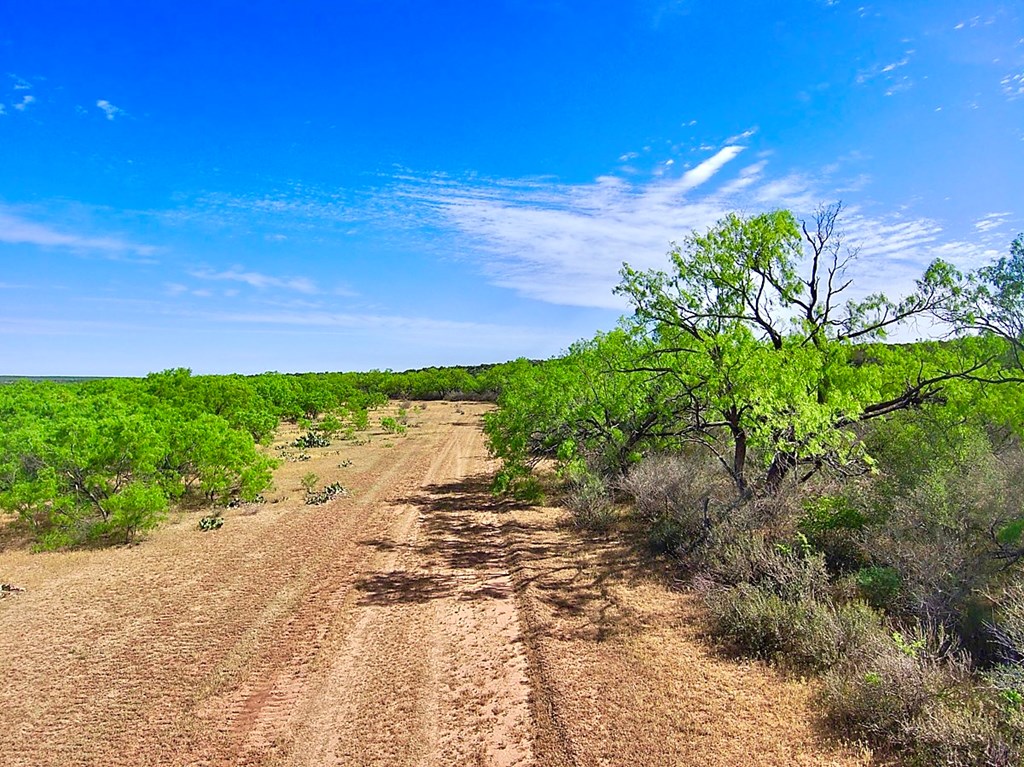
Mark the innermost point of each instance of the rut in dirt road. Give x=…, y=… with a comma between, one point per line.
x=432, y=670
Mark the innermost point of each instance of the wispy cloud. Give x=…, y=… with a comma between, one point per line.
x=564, y=243
x=442, y=332
x=991, y=221
x=16, y=230
x=111, y=111
x=742, y=136
x=890, y=74
x=257, y=279
x=26, y=100
x=1013, y=85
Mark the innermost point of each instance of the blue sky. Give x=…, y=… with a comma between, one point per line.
x=249, y=186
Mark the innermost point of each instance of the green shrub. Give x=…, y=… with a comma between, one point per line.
x=137, y=508
x=878, y=585
x=917, y=696
x=517, y=481
x=804, y=633
x=211, y=522
x=832, y=525
x=311, y=439
x=309, y=482
x=590, y=502
x=330, y=425
x=392, y=425
x=750, y=558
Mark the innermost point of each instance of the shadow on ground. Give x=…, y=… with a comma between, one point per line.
x=470, y=540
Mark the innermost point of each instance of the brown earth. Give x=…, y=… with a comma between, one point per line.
x=414, y=621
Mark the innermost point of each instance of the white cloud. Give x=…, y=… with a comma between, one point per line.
x=24, y=103
x=15, y=230
x=565, y=243
x=742, y=136
x=258, y=280
x=428, y=330
x=1013, y=85
x=991, y=221
x=111, y=111
x=3, y=109
x=703, y=172
x=889, y=75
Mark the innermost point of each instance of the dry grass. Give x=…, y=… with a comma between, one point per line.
x=628, y=675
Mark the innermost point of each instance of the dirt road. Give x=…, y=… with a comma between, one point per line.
x=415, y=621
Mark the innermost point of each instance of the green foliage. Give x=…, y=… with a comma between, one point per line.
x=392, y=425
x=803, y=632
x=516, y=481
x=310, y=481
x=879, y=586
x=311, y=439
x=99, y=462
x=916, y=696
x=330, y=425
x=211, y=522
x=331, y=491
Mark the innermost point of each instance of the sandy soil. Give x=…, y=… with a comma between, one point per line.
x=414, y=621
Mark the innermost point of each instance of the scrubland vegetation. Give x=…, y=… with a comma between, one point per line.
x=848, y=507
x=94, y=462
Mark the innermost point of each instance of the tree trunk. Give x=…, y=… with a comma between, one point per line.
x=739, y=457
x=782, y=464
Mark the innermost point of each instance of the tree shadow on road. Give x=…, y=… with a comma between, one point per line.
x=474, y=545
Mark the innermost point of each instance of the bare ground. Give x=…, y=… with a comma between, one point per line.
x=414, y=621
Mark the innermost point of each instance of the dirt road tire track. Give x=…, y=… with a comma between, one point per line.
x=234, y=647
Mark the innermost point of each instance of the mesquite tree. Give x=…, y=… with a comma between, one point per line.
x=752, y=319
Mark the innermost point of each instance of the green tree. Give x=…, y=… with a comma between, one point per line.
x=752, y=324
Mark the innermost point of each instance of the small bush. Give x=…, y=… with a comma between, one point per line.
x=918, y=696
x=330, y=425
x=590, y=502
x=793, y=573
x=674, y=496
x=878, y=585
x=331, y=491
x=832, y=525
x=311, y=439
x=310, y=481
x=804, y=633
x=211, y=522
x=517, y=481
x=392, y=425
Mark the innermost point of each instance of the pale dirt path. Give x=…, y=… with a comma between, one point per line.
x=358, y=632
x=415, y=622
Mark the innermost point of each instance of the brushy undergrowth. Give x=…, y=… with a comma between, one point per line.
x=590, y=501
x=918, y=694
x=896, y=589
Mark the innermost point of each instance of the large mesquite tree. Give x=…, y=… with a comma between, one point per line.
x=753, y=323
